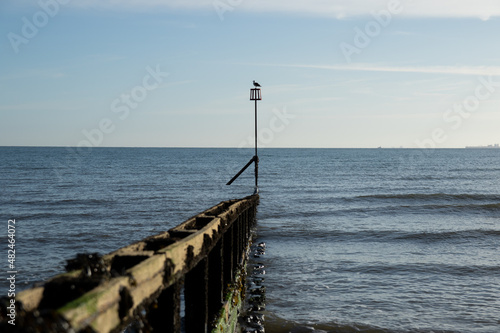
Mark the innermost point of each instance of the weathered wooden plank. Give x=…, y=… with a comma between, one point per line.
x=90, y=306
x=203, y=251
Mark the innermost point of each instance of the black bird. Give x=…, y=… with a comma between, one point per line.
x=255, y=84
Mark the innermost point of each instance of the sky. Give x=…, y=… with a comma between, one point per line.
x=178, y=73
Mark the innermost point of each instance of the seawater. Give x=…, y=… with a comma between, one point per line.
x=357, y=240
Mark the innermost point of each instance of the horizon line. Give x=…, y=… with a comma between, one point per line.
x=199, y=147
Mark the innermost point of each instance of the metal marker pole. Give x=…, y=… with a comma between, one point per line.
x=255, y=127
x=254, y=96
x=256, y=156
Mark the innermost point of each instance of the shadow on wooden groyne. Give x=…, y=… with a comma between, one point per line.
x=190, y=278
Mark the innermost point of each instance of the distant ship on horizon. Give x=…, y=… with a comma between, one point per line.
x=496, y=145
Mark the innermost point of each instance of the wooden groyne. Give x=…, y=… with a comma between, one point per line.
x=187, y=278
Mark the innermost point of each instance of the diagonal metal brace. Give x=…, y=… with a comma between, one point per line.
x=254, y=159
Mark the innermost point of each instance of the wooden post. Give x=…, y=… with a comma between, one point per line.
x=165, y=314
x=196, y=298
x=228, y=249
x=215, y=278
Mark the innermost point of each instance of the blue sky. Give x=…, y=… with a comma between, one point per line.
x=154, y=73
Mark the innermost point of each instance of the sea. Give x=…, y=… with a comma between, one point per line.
x=356, y=240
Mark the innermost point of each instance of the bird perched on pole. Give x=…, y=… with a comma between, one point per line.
x=255, y=84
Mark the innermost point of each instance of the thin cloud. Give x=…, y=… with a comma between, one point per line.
x=404, y=33
x=454, y=70
x=482, y=9
x=51, y=106
x=30, y=74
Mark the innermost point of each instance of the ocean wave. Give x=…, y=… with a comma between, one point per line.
x=450, y=235
x=332, y=235
x=274, y=324
x=82, y=202
x=389, y=235
x=61, y=216
x=426, y=269
x=435, y=208
x=433, y=197
x=390, y=204
x=53, y=202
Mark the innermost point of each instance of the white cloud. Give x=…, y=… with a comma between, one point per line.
x=483, y=9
